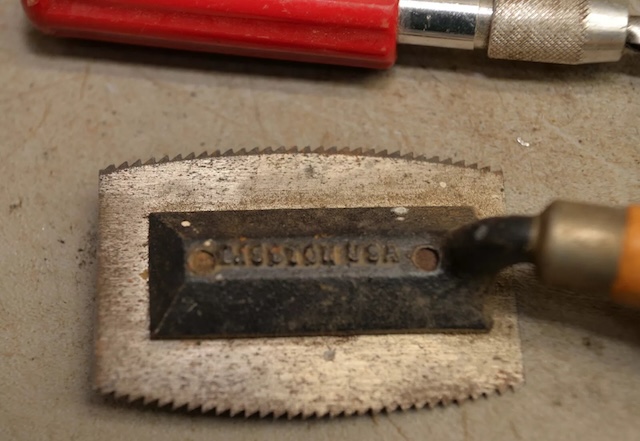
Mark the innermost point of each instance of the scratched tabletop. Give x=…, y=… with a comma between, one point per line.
x=70, y=108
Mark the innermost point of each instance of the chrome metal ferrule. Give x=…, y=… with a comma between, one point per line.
x=457, y=24
x=548, y=31
x=578, y=246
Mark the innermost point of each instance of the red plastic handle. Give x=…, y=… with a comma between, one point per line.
x=350, y=32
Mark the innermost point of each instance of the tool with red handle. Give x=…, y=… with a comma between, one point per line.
x=352, y=32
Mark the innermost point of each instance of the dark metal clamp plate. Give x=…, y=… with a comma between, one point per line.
x=223, y=274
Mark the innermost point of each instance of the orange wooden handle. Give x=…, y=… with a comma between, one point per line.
x=626, y=287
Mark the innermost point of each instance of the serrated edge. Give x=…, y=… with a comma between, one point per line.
x=347, y=151
x=244, y=411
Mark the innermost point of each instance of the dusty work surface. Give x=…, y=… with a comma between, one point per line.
x=69, y=109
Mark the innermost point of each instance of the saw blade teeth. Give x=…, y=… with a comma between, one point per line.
x=181, y=407
x=389, y=408
x=118, y=395
x=105, y=391
x=236, y=411
x=308, y=414
x=150, y=401
x=192, y=407
x=405, y=406
x=420, y=405
x=220, y=410
x=306, y=150
x=111, y=168
x=206, y=408
x=131, y=399
x=163, y=402
x=304, y=413
x=428, y=404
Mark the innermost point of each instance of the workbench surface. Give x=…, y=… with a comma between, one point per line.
x=71, y=108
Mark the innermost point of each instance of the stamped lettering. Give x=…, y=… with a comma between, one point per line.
x=302, y=253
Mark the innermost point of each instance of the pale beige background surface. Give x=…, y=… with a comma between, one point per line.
x=68, y=109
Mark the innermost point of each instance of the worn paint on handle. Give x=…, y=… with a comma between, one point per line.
x=351, y=32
